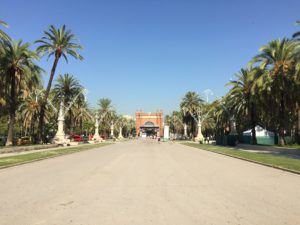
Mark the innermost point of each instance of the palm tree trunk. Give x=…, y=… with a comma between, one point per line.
x=71, y=124
x=253, y=124
x=44, y=102
x=281, y=140
x=298, y=126
x=80, y=124
x=12, y=110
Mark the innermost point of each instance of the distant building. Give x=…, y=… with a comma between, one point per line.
x=148, y=124
x=128, y=117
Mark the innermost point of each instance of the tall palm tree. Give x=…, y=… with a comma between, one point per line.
x=107, y=112
x=18, y=63
x=29, y=110
x=3, y=85
x=176, y=122
x=242, y=96
x=279, y=59
x=296, y=36
x=57, y=42
x=69, y=89
x=190, y=105
x=121, y=122
x=82, y=113
x=222, y=115
x=3, y=35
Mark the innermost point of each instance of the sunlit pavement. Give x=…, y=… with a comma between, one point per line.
x=142, y=182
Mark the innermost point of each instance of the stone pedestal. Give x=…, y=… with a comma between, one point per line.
x=185, y=130
x=96, y=136
x=199, y=137
x=120, y=133
x=233, y=127
x=112, y=131
x=166, y=133
x=60, y=134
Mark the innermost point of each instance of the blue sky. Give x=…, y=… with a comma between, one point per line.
x=147, y=54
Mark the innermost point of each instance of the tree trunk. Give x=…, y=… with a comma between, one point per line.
x=298, y=126
x=253, y=124
x=80, y=124
x=44, y=102
x=281, y=140
x=12, y=110
x=71, y=124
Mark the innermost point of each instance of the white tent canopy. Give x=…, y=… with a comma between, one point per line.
x=260, y=132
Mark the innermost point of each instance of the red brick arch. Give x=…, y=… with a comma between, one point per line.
x=155, y=118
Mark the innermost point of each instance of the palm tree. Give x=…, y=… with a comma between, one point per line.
x=279, y=60
x=222, y=115
x=29, y=110
x=175, y=121
x=190, y=105
x=107, y=113
x=17, y=62
x=242, y=98
x=82, y=113
x=3, y=85
x=57, y=42
x=105, y=106
x=296, y=36
x=69, y=89
x=3, y=35
x=122, y=122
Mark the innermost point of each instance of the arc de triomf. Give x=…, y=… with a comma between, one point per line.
x=148, y=124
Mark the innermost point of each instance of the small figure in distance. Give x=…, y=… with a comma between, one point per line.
x=158, y=139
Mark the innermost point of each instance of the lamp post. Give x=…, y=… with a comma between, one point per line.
x=120, y=133
x=96, y=135
x=199, y=137
x=112, y=130
x=185, y=130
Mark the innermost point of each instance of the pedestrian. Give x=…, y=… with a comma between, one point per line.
x=158, y=140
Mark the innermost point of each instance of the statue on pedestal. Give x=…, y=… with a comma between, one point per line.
x=60, y=134
x=96, y=135
x=112, y=130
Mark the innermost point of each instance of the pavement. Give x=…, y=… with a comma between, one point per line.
x=141, y=182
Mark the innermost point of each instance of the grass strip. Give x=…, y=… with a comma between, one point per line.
x=280, y=162
x=35, y=156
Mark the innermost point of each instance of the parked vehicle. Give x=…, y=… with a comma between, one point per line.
x=76, y=137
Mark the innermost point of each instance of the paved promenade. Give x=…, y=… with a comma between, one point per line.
x=142, y=183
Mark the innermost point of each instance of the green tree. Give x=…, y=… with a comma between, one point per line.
x=29, y=111
x=107, y=113
x=190, y=104
x=68, y=89
x=175, y=121
x=279, y=60
x=82, y=114
x=296, y=36
x=57, y=42
x=17, y=61
x=243, y=98
x=3, y=35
